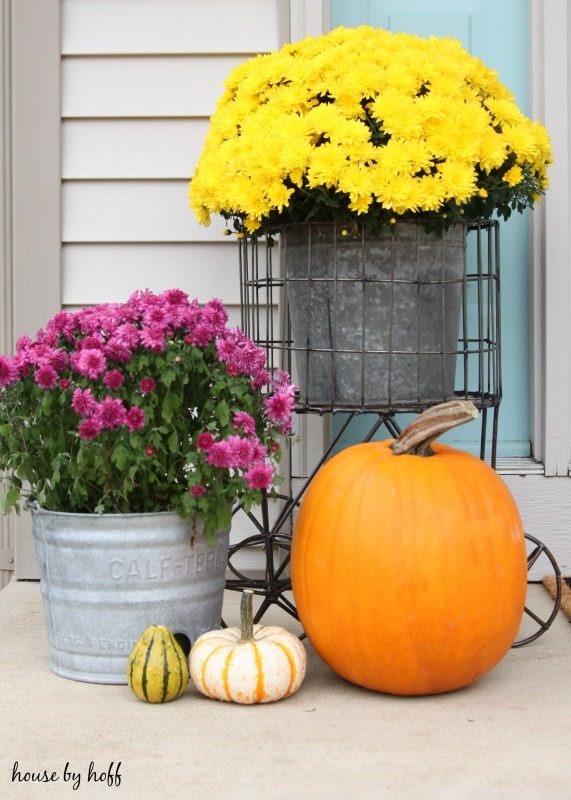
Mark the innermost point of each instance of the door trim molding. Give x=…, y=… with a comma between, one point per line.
x=31, y=269
x=551, y=291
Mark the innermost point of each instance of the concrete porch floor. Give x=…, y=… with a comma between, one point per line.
x=505, y=737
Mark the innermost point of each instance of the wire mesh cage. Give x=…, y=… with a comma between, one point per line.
x=387, y=323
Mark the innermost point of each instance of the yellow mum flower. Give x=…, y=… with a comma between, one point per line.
x=513, y=176
x=327, y=164
x=385, y=121
x=521, y=139
x=459, y=180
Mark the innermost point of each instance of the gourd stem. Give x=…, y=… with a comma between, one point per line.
x=417, y=437
x=246, y=616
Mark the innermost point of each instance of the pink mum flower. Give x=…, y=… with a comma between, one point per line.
x=201, y=335
x=197, y=490
x=220, y=455
x=111, y=413
x=242, y=419
x=114, y=379
x=58, y=359
x=89, y=428
x=117, y=350
x=242, y=451
x=260, y=378
x=64, y=383
x=175, y=297
x=46, y=376
x=156, y=316
x=94, y=341
x=260, y=476
x=215, y=315
x=147, y=385
x=127, y=335
x=91, y=363
x=135, y=418
x=154, y=339
x=205, y=440
x=260, y=452
x=8, y=371
x=279, y=407
x=83, y=402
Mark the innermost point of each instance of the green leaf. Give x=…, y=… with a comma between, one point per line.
x=223, y=412
x=223, y=516
x=120, y=456
x=10, y=499
x=171, y=403
x=168, y=376
x=173, y=442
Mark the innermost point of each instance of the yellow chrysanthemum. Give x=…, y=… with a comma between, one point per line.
x=327, y=164
x=521, y=139
x=408, y=124
x=513, y=176
x=459, y=180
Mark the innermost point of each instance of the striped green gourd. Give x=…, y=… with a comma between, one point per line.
x=157, y=669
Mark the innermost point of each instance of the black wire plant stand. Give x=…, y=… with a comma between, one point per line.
x=328, y=303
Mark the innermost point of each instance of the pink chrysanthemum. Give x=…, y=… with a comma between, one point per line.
x=135, y=419
x=260, y=378
x=242, y=419
x=46, y=376
x=220, y=455
x=279, y=407
x=201, y=335
x=147, y=385
x=64, y=383
x=83, y=402
x=58, y=359
x=215, y=316
x=260, y=452
x=23, y=344
x=117, y=350
x=197, y=490
x=205, y=440
x=114, y=379
x=175, y=297
x=8, y=371
x=242, y=451
x=94, y=341
x=127, y=335
x=260, y=476
x=89, y=428
x=153, y=338
x=157, y=317
x=91, y=363
x=111, y=413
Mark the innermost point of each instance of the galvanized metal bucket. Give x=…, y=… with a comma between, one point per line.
x=375, y=320
x=106, y=577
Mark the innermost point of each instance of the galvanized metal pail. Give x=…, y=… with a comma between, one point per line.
x=106, y=577
x=375, y=319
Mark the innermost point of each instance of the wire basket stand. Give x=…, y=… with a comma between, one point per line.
x=379, y=325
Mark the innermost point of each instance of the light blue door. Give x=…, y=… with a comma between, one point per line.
x=497, y=31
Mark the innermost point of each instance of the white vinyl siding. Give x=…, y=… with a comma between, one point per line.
x=139, y=80
x=170, y=26
x=131, y=149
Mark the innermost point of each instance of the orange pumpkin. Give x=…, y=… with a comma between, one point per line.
x=408, y=562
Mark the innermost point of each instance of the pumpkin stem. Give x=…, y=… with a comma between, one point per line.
x=417, y=437
x=246, y=616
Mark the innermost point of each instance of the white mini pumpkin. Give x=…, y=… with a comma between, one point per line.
x=250, y=664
